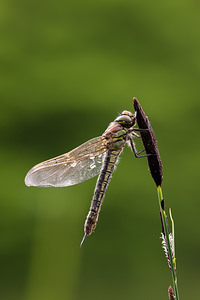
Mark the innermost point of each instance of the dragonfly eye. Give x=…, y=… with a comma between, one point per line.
x=126, y=120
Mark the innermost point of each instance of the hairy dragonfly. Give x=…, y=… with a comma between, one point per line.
x=97, y=156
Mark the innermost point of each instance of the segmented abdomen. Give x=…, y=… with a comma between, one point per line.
x=101, y=186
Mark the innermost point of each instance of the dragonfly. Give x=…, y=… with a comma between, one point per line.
x=96, y=156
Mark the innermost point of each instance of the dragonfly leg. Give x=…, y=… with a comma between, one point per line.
x=143, y=129
x=137, y=154
x=135, y=135
x=139, y=130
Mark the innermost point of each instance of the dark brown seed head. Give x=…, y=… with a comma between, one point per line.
x=150, y=143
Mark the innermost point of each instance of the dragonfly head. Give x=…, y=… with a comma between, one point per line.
x=126, y=119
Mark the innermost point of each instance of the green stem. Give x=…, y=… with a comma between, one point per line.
x=164, y=220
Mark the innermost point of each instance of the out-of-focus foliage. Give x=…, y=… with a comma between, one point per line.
x=66, y=69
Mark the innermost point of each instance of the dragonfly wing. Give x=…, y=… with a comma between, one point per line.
x=78, y=165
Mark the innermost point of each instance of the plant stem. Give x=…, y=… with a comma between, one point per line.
x=166, y=232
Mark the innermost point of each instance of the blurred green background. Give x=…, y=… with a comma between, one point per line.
x=67, y=69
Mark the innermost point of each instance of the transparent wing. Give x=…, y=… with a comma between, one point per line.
x=78, y=165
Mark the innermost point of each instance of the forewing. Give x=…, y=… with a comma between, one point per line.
x=78, y=165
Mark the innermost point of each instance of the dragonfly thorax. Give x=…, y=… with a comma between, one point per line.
x=126, y=119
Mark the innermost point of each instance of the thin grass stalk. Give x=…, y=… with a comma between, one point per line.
x=166, y=232
x=155, y=168
x=173, y=234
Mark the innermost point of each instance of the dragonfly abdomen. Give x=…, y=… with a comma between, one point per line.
x=101, y=186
